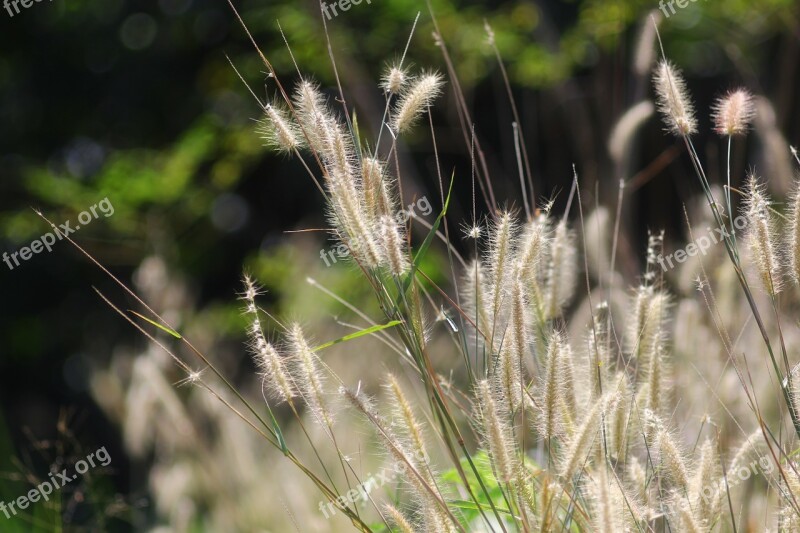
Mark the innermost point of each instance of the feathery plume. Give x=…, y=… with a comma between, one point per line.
x=394, y=79
x=647, y=327
x=394, y=254
x=378, y=197
x=580, y=448
x=761, y=238
x=415, y=100
x=750, y=448
x=476, y=301
x=269, y=362
x=688, y=520
x=404, y=412
x=531, y=252
x=673, y=100
x=794, y=234
x=308, y=378
x=655, y=380
x=555, y=410
x=514, y=351
x=613, y=509
x=497, y=435
x=733, y=113
x=619, y=415
x=312, y=113
x=532, y=245
x=278, y=130
x=415, y=468
x=708, y=470
x=562, y=271
x=672, y=464
x=397, y=518
x=499, y=258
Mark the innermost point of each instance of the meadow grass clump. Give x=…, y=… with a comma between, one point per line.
x=552, y=420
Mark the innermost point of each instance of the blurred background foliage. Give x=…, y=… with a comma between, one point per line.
x=136, y=101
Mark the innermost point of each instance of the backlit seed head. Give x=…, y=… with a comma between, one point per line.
x=394, y=79
x=415, y=100
x=762, y=237
x=278, y=130
x=733, y=113
x=673, y=100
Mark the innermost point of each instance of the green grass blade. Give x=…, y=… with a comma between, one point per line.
x=358, y=334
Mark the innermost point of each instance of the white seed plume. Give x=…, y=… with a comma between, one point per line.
x=397, y=518
x=378, y=191
x=673, y=100
x=647, y=328
x=279, y=131
x=415, y=100
x=733, y=113
x=556, y=396
x=334, y=146
x=394, y=254
x=500, y=257
x=578, y=451
x=476, y=302
x=394, y=79
x=514, y=350
x=761, y=237
x=309, y=378
x=270, y=363
x=794, y=234
x=562, y=270
x=673, y=466
x=498, y=439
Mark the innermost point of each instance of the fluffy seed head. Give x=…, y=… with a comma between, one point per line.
x=271, y=365
x=733, y=113
x=497, y=435
x=309, y=378
x=279, y=131
x=673, y=100
x=562, y=270
x=394, y=79
x=761, y=238
x=555, y=395
x=673, y=465
x=397, y=518
x=580, y=447
x=794, y=234
x=393, y=250
x=415, y=100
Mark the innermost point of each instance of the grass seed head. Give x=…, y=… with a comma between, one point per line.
x=673, y=100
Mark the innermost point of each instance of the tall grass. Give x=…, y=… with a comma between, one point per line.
x=565, y=413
